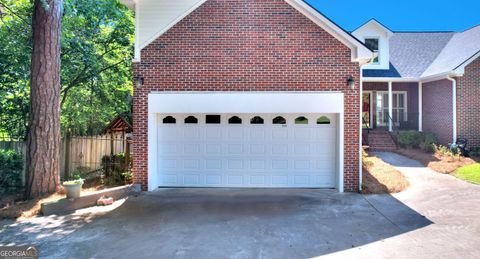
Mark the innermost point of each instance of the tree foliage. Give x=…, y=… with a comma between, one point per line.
x=97, y=47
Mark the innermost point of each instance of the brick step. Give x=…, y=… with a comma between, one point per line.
x=381, y=141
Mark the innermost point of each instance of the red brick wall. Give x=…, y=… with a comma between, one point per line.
x=412, y=98
x=437, y=109
x=468, y=104
x=247, y=45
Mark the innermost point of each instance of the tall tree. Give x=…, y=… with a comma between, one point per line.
x=43, y=150
x=97, y=47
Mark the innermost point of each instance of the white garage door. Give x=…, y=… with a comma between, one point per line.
x=247, y=150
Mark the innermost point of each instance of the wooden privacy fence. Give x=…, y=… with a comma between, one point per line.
x=84, y=153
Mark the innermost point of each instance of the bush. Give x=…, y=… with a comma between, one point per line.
x=10, y=171
x=428, y=142
x=410, y=138
x=415, y=139
x=444, y=151
x=116, y=169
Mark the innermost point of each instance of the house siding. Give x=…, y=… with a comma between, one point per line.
x=248, y=45
x=437, y=109
x=468, y=104
x=412, y=98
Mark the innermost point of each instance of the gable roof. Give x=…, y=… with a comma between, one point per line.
x=427, y=54
x=412, y=53
x=376, y=23
x=122, y=122
x=461, y=47
x=360, y=52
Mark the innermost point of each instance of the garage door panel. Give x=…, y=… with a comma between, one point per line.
x=247, y=155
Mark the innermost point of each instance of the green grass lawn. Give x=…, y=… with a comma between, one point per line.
x=469, y=173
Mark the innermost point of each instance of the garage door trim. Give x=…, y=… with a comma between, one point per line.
x=235, y=102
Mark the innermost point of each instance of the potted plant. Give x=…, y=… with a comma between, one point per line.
x=73, y=188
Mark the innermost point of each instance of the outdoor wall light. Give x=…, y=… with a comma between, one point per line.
x=351, y=82
x=138, y=81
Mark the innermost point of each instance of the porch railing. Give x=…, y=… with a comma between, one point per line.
x=365, y=131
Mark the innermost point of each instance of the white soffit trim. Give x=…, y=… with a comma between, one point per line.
x=378, y=24
x=461, y=68
x=360, y=53
x=251, y=102
x=390, y=79
x=170, y=25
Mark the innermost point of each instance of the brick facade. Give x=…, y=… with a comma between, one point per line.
x=437, y=109
x=247, y=45
x=468, y=104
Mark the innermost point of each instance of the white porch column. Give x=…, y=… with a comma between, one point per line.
x=390, y=106
x=420, y=106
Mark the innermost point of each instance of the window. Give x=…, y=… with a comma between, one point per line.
x=169, y=120
x=279, y=120
x=191, y=120
x=373, y=45
x=256, y=120
x=212, y=119
x=234, y=120
x=301, y=120
x=323, y=120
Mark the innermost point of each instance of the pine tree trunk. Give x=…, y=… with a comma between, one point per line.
x=43, y=150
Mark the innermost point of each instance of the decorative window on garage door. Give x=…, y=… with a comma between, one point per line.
x=279, y=120
x=323, y=120
x=256, y=120
x=169, y=120
x=301, y=120
x=235, y=120
x=191, y=120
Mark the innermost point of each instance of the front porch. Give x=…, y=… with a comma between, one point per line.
x=389, y=107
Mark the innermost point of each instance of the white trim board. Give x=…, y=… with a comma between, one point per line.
x=235, y=102
x=360, y=53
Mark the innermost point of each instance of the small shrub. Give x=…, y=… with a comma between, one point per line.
x=365, y=160
x=116, y=169
x=410, y=139
x=451, y=152
x=416, y=139
x=73, y=182
x=428, y=142
x=11, y=167
x=475, y=152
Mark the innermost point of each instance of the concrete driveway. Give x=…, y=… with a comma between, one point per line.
x=275, y=223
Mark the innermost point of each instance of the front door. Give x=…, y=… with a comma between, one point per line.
x=399, y=108
x=367, y=110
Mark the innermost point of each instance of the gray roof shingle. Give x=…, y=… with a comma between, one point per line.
x=459, y=49
x=411, y=53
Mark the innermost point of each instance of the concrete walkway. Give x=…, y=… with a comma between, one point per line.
x=451, y=204
x=437, y=217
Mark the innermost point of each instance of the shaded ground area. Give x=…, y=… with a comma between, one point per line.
x=451, y=204
x=213, y=223
x=436, y=217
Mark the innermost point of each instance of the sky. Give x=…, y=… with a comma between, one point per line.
x=403, y=15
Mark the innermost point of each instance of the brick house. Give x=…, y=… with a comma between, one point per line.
x=425, y=81
x=263, y=93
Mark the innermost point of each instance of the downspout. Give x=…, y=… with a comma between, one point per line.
x=360, y=167
x=454, y=108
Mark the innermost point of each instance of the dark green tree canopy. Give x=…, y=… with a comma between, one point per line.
x=97, y=49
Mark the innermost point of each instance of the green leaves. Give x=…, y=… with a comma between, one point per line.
x=97, y=49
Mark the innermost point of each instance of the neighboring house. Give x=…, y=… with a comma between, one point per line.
x=431, y=78
x=253, y=93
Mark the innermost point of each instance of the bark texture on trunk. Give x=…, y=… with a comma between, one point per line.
x=43, y=150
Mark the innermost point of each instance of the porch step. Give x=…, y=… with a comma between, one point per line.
x=381, y=141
